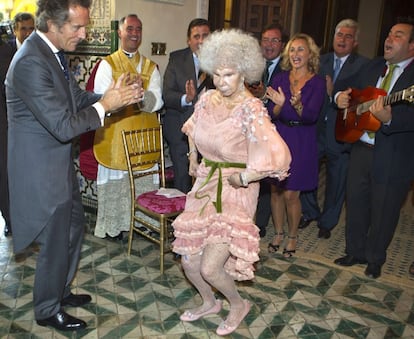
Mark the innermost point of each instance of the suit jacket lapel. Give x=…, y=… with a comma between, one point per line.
x=189, y=66
x=51, y=61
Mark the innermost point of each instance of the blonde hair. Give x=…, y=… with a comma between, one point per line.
x=313, y=64
x=232, y=48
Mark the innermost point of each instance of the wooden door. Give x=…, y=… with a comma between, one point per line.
x=251, y=15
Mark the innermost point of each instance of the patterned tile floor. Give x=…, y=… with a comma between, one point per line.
x=291, y=298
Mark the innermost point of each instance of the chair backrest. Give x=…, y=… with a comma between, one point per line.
x=144, y=149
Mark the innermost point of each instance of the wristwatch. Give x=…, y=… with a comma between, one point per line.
x=243, y=179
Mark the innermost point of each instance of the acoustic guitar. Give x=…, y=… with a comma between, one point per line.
x=352, y=122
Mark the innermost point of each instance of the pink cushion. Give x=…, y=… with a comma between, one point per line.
x=161, y=204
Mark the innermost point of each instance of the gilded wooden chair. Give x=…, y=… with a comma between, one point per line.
x=144, y=153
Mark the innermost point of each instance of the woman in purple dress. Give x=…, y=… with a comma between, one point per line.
x=296, y=96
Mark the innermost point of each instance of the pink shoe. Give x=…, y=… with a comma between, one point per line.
x=189, y=316
x=225, y=329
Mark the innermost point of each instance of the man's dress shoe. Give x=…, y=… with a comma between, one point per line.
x=76, y=300
x=303, y=223
x=262, y=232
x=373, y=271
x=7, y=230
x=349, y=260
x=324, y=233
x=63, y=322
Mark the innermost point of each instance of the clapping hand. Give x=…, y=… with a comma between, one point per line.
x=295, y=99
x=133, y=78
x=190, y=91
x=257, y=89
x=329, y=85
x=277, y=96
x=124, y=92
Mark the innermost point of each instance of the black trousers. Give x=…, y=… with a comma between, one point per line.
x=373, y=208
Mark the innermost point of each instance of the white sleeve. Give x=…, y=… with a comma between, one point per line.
x=156, y=89
x=103, y=77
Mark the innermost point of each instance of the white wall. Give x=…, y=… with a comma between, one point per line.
x=162, y=22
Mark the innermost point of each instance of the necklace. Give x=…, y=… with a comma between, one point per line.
x=297, y=83
x=229, y=103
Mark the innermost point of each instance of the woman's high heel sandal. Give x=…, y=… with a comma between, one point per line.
x=289, y=253
x=273, y=248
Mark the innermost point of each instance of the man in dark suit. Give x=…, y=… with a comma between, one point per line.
x=340, y=68
x=183, y=83
x=381, y=165
x=272, y=42
x=44, y=116
x=23, y=26
x=6, y=54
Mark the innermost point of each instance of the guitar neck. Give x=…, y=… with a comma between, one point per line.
x=394, y=97
x=387, y=100
x=360, y=108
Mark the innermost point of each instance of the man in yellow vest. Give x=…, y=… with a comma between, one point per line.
x=112, y=180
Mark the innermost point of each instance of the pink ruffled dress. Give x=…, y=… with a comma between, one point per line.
x=243, y=134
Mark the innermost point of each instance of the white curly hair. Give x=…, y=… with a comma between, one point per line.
x=232, y=48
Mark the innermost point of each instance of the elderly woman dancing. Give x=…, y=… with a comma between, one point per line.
x=216, y=235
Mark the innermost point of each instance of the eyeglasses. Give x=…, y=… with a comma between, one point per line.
x=272, y=41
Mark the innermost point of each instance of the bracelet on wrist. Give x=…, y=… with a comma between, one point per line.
x=191, y=151
x=277, y=109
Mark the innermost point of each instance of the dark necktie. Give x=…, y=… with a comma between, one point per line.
x=64, y=64
x=337, y=68
x=266, y=74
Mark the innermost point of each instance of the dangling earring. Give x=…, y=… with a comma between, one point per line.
x=241, y=85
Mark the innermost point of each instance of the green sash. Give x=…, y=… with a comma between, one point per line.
x=214, y=166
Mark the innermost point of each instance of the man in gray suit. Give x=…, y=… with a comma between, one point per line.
x=44, y=116
x=340, y=68
x=183, y=82
x=272, y=42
